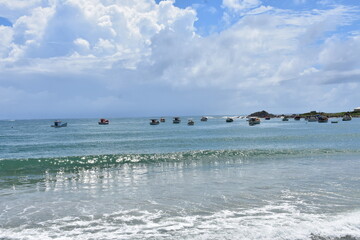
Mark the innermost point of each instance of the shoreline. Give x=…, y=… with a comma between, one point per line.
x=263, y=114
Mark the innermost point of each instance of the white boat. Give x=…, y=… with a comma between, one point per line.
x=176, y=120
x=191, y=122
x=154, y=122
x=253, y=121
x=347, y=117
x=59, y=124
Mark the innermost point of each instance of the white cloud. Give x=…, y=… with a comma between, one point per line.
x=338, y=55
x=82, y=43
x=18, y=4
x=6, y=36
x=141, y=50
x=103, y=28
x=239, y=5
x=261, y=9
x=29, y=31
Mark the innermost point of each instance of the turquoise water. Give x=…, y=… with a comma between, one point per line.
x=213, y=180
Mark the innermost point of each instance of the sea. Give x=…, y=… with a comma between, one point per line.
x=215, y=180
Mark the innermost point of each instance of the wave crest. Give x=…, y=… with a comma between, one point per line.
x=73, y=163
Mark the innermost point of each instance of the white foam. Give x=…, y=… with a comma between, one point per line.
x=269, y=222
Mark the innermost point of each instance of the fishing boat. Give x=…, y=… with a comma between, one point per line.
x=176, y=120
x=253, y=121
x=103, y=121
x=59, y=124
x=203, y=119
x=229, y=119
x=311, y=119
x=323, y=119
x=347, y=117
x=154, y=122
x=162, y=119
x=190, y=122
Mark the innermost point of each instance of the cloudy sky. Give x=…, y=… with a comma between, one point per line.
x=119, y=58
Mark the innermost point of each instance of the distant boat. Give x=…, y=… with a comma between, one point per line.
x=162, y=119
x=203, y=119
x=103, y=121
x=253, y=121
x=229, y=119
x=154, y=122
x=297, y=118
x=334, y=121
x=59, y=124
x=312, y=119
x=285, y=119
x=267, y=118
x=191, y=122
x=323, y=119
x=347, y=117
x=176, y=120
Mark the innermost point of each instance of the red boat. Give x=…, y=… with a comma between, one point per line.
x=103, y=121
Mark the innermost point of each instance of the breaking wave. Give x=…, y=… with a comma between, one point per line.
x=73, y=163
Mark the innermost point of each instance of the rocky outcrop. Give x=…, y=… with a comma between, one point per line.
x=261, y=114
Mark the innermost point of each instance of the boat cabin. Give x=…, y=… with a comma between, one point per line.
x=176, y=120
x=103, y=121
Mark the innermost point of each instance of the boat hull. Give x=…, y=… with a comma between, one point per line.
x=323, y=120
x=59, y=126
x=254, y=121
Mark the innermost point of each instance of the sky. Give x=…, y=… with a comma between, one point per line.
x=153, y=58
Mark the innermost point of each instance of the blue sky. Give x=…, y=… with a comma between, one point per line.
x=117, y=58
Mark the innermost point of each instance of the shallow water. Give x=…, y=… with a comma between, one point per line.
x=214, y=180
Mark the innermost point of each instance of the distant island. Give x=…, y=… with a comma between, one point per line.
x=264, y=114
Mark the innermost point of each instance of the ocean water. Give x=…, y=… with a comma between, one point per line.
x=214, y=180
